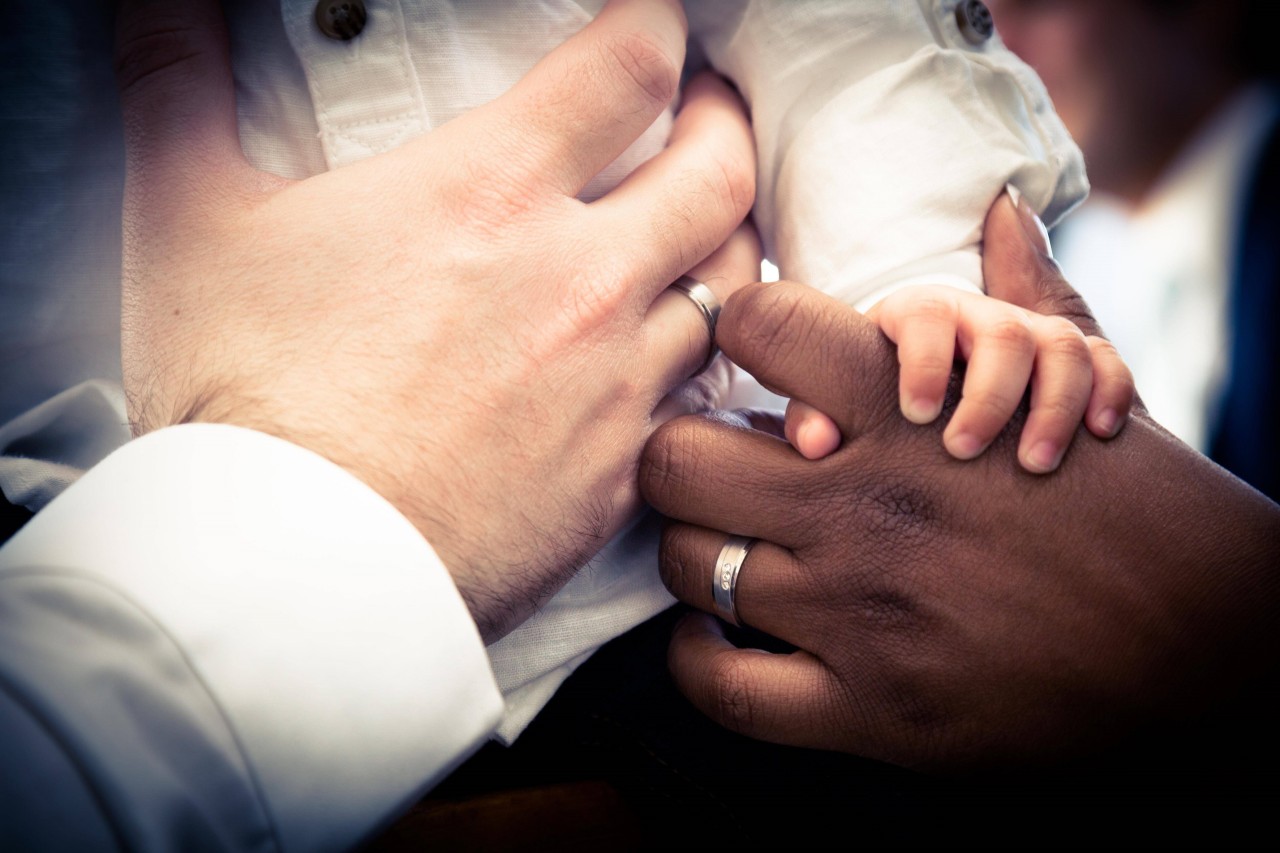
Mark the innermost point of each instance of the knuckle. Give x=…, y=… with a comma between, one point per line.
x=1103, y=349
x=895, y=508
x=1011, y=331
x=766, y=321
x=1064, y=339
x=991, y=407
x=668, y=470
x=930, y=363
x=643, y=64
x=678, y=235
x=589, y=302
x=889, y=609
x=928, y=307
x=156, y=49
x=1108, y=362
x=733, y=702
x=483, y=200
x=1124, y=377
x=673, y=557
x=737, y=183
x=1063, y=409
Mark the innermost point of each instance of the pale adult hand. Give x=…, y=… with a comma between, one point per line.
x=953, y=614
x=445, y=320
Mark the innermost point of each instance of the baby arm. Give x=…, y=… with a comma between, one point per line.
x=884, y=130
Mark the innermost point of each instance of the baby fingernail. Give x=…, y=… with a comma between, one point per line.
x=1044, y=457
x=1108, y=421
x=805, y=439
x=965, y=446
x=815, y=439
x=919, y=410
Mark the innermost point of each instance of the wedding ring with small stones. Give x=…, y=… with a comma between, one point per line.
x=703, y=297
x=724, y=580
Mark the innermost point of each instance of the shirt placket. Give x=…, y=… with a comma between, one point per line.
x=365, y=90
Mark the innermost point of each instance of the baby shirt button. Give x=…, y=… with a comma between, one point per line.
x=974, y=20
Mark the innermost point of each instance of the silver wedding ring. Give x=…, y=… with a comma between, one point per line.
x=724, y=581
x=708, y=304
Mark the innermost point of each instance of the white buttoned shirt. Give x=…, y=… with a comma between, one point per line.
x=285, y=660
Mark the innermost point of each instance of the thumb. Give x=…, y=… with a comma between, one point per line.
x=1018, y=265
x=178, y=102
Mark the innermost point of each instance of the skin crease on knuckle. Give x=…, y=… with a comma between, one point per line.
x=931, y=309
x=929, y=364
x=764, y=318
x=1064, y=340
x=485, y=201
x=682, y=233
x=769, y=325
x=710, y=188
x=152, y=48
x=674, y=556
x=640, y=64
x=1010, y=333
x=589, y=302
x=732, y=700
x=671, y=471
x=737, y=176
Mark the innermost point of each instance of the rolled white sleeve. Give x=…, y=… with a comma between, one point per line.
x=225, y=635
x=883, y=136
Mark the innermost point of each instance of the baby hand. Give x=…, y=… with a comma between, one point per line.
x=1071, y=376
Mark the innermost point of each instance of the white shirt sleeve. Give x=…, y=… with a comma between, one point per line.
x=883, y=136
x=215, y=634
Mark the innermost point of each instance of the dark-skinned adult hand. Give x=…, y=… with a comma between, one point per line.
x=953, y=615
x=445, y=320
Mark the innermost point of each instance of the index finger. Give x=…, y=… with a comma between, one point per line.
x=178, y=106
x=591, y=97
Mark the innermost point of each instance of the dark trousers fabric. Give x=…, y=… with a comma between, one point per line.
x=681, y=780
x=12, y=518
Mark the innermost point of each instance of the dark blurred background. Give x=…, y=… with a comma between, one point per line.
x=1174, y=105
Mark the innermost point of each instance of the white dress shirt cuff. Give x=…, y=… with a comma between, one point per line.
x=316, y=617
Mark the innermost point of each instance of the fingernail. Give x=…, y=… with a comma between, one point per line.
x=921, y=411
x=814, y=440
x=1031, y=224
x=965, y=446
x=805, y=439
x=1108, y=421
x=1044, y=457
